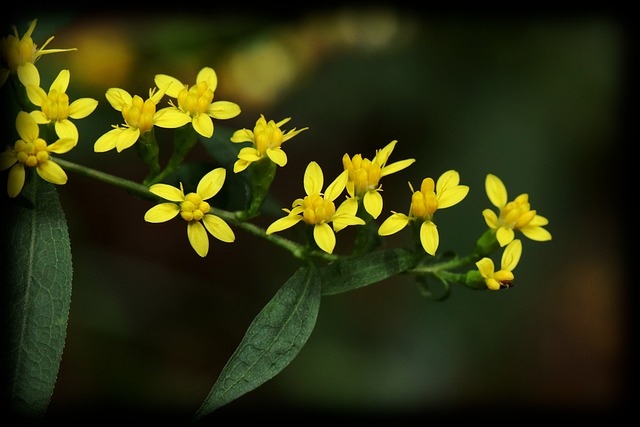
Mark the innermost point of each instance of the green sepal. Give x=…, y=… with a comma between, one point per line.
x=262, y=173
x=486, y=244
x=474, y=280
x=359, y=271
x=37, y=294
x=148, y=151
x=271, y=342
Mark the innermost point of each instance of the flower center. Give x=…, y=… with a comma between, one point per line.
x=518, y=213
x=193, y=208
x=266, y=135
x=32, y=154
x=56, y=107
x=139, y=115
x=423, y=204
x=317, y=210
x=195, y=99
x=364, y=173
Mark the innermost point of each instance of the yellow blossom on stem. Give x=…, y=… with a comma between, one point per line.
x=32, y=151
x=196, y=102
x=267, y=139
x=19, y=55
x=140, y=116
x=55, y=107
x=365, y=174
x=504, y=277
x=424, y=203
x=194, y=209
x=318, y=209
x=514, y=215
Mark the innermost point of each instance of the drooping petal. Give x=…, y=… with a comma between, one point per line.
x=325, y=237
x=127, y=138
x=396, y=167
x=50, y=171
x=242, y=135
x=429, y=237
x=61, y=83
x=107, y=141
x=27, y=127
x=452, y=196
x=36, y=95
x=211, y=183
x=223, y=110
x=505, y=235
x=393, y=224
x=118, y=98
x=373, y=203
x=168, y=192
x=511, y=255
x=313, y=178
x=66, y=129
x=171, y=118
x=15, y=180
x=277, y=156
x=81, y=108
x=162, y=212
x=208, y=75
x=249, y=154
x=492, y=284
x=203, y=125
x=170, y=85
x=283, y=223
x=337, y=186
x=198, y=238
x=496, y=191
x=538, y=234
x=240, y=165
x=218, y=228
x=61, y=146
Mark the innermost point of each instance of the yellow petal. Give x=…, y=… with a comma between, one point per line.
x=61, y=83
x=277, y=156
x=240, y=165
x=511, y=255
x=28, y=74
x=373, y=203
x=249, y=154
x=8, y=158
x=211, y=183
x=538, y=234
x=203, y=125
x=36, y=95
x=208, y=75
x=242, y=135
x=198, y=238
x=325, y=237
x=490, y=218
x=341, y=221
x=393, y=224
x=66, y=129
x=449, y=179
x=61, y=146
x=283, y=223
x=170, y=85
x=429, y=237
x=485, y=267
x=127, y=138
x=171, y=118
x=50, y=171
x=107, y=141
x=218, y=228
x=118, y=98
x=337, y=186
x=162, y=212
x=27, y=127
x=505, y=235
x=496, y=191
x=40, y=117
x=396, y=167
x=168, y=192
x=313, y=178
x=15, y=181
x=81, y=108
x=383, y=155
x=223, y=110
x=452, y=196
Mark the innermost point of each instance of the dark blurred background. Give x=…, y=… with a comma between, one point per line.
x=539, y=99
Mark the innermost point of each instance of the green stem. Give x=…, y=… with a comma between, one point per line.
x=440, y=268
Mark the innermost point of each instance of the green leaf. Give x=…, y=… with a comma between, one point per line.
x=271, y=342
x=356, y=272
x=38, y=273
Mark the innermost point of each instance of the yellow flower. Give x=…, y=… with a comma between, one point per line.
x=196, y=102
x=139, y=118
x=515, y=215
x=318, y=209
x=55, y=106
x=194, y=209
x=365, y=174
x=502, y=278
x=424, y=203
x=19, y=55
x=267, y=139
x=32, y=151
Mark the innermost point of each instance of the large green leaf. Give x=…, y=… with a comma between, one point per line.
x=358, y=271
x=37, y=275
x=271, y=342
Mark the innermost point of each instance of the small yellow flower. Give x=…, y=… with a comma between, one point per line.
x=318, y=209
x=515, y=215
x=55, y=106
x=139, y=118
x=424, y=203
x=194, y=209
x=502, y=278
x=267, y=139
x=32, y=151
x=365, y=175
x=196, y=102
x=19, y=55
